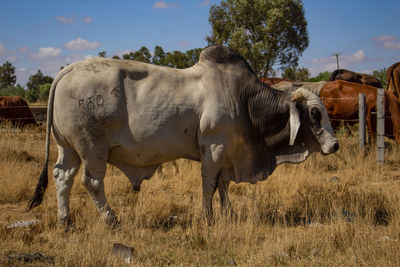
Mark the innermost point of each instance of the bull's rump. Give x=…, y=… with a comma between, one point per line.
x=137, y=113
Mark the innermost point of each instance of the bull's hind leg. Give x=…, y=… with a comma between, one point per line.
x=94, y=170
x=64, y=172
x=223, y=186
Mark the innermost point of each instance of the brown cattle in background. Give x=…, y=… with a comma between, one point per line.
x=393, y=79
x=351, y=76
x=271, y=81
x=341, y=101
x=16, y=110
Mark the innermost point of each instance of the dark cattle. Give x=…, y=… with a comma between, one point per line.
x=350, y=76
x=271, y=81
x=16, y=110
x=341, y=101
x=393, y=79
x=136, y=116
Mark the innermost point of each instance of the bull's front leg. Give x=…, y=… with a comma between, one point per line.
x=212, y=158
x=209, y=186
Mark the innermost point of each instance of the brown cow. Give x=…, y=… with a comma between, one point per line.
x=393, y=79
x=341, y=101
x=271, y=81
x=16, y=110
x=350, y=76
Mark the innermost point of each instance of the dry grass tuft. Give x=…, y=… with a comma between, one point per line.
x=337, y=210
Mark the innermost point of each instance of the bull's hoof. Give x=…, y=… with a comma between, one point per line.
x=112, y=221
x=230, y=214
x=67, y=224
x=208, y=218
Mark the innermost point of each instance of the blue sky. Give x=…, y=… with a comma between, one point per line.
x=46, y=34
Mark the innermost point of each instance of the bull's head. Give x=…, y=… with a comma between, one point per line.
x=316, y=120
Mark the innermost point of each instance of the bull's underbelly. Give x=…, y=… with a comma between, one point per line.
x=152, y=153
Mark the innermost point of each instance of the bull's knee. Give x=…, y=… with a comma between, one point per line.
x=91, y=184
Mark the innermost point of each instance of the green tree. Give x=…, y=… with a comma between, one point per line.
x=382, y=76
x=17, y=90
x=267, y=33
x=176, y=59
x=193, y=56
x=143, y=55
x=7, y=76
x=44, y=91
x=159, y=56
x=34, y=83
x=296, y=74
x=102, y=54
x=322, y=76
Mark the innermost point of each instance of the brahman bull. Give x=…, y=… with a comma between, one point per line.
x=350, y=76
x=136, y=116
x=16, y=110
x=393, y=79
x=341, y=101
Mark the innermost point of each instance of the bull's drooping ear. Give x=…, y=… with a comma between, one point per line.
x=294, y=122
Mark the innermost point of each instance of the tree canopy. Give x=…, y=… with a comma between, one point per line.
x=267, y=33
x=297, y=74
x=322, y=76
x=33, y=85
x=174, y=59
x=7, y=76
x=381, y=74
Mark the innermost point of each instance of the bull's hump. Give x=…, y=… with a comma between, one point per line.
x=222, y=55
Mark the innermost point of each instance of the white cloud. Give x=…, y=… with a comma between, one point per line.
x=12, y=58
x=384, y=38
x=47, y=52
x=3, y=49
x=66, y=20
x=318, y=65
x=87, y=19
x=81, y=44
x=389, y=42
x=391, y=45
x=163, y=5
x=183, y=43
x=205, y=2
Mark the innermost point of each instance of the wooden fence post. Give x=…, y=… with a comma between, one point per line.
x=380, y=128
x=361, y=124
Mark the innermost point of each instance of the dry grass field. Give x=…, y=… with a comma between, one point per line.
x=337, y=210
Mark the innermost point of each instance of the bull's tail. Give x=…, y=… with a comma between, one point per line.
x=37, y=197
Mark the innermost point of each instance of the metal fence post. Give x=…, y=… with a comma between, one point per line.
x=380, y=128
x=361, y=114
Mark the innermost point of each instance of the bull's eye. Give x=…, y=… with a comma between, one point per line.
x=316, y=115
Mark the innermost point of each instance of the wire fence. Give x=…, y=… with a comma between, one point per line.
x=40, y=114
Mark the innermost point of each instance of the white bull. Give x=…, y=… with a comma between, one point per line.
x=136, y=116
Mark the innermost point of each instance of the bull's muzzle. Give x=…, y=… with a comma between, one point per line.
x=330, y=146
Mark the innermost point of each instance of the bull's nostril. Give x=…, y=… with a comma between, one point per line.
x=336, y=147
